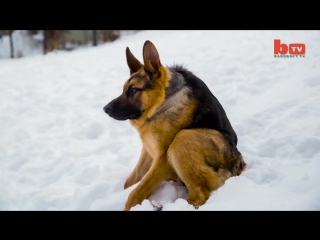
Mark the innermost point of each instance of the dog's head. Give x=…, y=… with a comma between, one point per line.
x=144, y=91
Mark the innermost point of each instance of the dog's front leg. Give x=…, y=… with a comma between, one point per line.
x=159, y=170
x=140, y=170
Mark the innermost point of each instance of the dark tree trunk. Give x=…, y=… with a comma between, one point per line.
x=11, y=45
x=85, y=36
x=44, y=42
x=95, y=37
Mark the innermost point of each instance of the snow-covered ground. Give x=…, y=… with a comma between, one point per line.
x=60, y=151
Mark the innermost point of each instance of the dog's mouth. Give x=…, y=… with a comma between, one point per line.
x=135, y=115
x=132, y=116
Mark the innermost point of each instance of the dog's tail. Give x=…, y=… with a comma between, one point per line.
x=238, y=164
x=242, y=166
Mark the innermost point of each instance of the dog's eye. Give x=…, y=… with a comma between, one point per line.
x=132, y=91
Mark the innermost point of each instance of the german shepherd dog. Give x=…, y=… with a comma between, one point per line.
x=185, y=131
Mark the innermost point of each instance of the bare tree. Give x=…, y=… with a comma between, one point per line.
x=95, y=37
x=11, y=44
x=54, y=40
x=44, y=41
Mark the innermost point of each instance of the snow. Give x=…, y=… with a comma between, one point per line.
x=60, y=151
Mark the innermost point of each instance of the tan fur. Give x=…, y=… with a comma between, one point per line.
x=192, y=154
x=140, y=170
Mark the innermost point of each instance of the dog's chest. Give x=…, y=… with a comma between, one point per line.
x=158, y=132
x=157, y=137
x=152, y=144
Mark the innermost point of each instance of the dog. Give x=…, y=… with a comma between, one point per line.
x=184, y=129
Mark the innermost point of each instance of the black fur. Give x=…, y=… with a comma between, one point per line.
x=210, y=113
x=176, y=84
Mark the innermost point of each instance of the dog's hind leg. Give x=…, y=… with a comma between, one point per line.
x=140, y=170
x=201, y=160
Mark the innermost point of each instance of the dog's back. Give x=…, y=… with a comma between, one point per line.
x=209, y=113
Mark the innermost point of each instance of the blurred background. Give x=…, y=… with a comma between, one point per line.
x=22, y=43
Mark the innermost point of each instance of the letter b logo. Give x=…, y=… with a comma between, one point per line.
x=280, y=48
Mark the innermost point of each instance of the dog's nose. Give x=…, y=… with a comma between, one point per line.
x=107, y=109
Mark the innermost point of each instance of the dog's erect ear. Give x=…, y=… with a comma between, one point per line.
x=151, y=57
x=134, y=64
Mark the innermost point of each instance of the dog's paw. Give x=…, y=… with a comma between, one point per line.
x=156, y=206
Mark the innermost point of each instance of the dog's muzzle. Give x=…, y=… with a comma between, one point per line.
x=119, y=111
